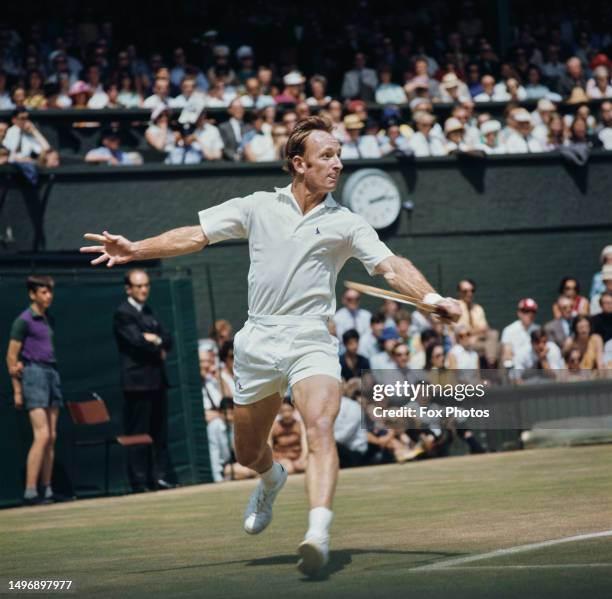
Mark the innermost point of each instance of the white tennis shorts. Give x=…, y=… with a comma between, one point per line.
x=273, y=352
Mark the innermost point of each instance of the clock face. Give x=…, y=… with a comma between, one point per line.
x=373, y=194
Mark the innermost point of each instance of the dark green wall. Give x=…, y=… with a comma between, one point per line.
x=516, y=224
x=88, y=362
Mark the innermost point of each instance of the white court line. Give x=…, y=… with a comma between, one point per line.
x=526, y=567
x=458, y=561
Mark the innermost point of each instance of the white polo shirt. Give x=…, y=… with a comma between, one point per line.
x=518, y=337
x=295, y=258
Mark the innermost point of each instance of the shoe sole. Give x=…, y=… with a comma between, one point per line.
x=311, y=559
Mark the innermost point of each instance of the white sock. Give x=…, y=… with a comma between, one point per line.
x=48, y=492
x=319, y=521
x=270, y=477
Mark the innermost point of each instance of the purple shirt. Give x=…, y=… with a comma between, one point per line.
x=36, y=335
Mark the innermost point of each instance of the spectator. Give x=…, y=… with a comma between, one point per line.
x=246, y=58
x=556, y=136
x=35, y=97
x=401, y=358
x=289, y=120
x=588, y=343
x=516, y=337
x=258, y=147
x=540, y=119
x=339, y=130
x=521, y=140
x=218, y=96
x=25, y=142
x=383, y=360
x=351, y=362
x=455, y=136
x=605, y=130
x=511, y=90
x=143, y=345
x=159, y=135
x=186, y=148
x=434, y=356
x=452, y=89
x=597, y=284
x=351, y=439
x=209, y=138
x=160, y=95
x=599, y=86
x=388, y=92
x=93, y=78
x=423, y=142
x=488, y=91
x=5, y=98
x=293, y=90
x=422, y=80
x=302, y=110
x=491, y=143
x=318, y=87
x=579, y=134
x=358, y=146
x=232, y=131
x=570, y=288
x=221, y=69
x=462, y=355
x=541, y=354
x=535, y=89
x=553, y=70
x=392, y=141
x=189, y=96
x=369, y=341
x=602, y=322
x=128, y=96
x=109, y=153
x=351, y=316
x=573, y=77
x=473, y=317
x=360, y=82
x=559, y=329
x=253, y=97
x=80, y=93
x=18, y=97
x=606, y=277
x=279, y=139
x=264, y=74
x=212, y=392
x=288, y=440
x=32, y=366
x=474, y=79
x=269, y=113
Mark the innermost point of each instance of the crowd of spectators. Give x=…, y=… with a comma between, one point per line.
x=574, y=342
x=561, y=63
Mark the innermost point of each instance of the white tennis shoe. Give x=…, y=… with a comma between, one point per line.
x=258, y=513
x=314, y=555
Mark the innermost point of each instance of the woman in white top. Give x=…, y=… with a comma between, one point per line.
x=462, y=356
x=599, y=86
x=128, y=96
x=159, y=135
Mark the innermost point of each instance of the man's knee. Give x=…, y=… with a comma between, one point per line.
x=320, y=433
x=41, y=435
x=248, y=454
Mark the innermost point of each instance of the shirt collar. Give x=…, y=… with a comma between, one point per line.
x=329, y=201
x=136, y=304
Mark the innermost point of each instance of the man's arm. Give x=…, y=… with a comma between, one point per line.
x=15, y=367
x=405, y=278
x=116, y=249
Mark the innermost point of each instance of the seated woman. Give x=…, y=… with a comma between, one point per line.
x=288, y=440
x=589, y=344
x=569, y=287
x=159, y=135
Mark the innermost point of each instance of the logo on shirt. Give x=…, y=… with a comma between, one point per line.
x=317, y=232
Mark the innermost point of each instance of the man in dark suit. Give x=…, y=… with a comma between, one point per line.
x=143, y=345
x=232, y=131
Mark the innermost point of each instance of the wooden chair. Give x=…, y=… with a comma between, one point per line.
x=93, y=412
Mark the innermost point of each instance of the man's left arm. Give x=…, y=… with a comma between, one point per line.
x=166, y=338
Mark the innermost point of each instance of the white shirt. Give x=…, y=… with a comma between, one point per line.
x=517, y=144
x=98, y=100
x=426, y=146
x=347, y=427
x=210, y=138
x=359, y=320
x=295, y=258
x=136, y=304
x=262, y=147
x=366, y=147
x=516, y=336
x=467, y=359
x=527, y=358
x=155, y=100
x=368, y=345
x=605, y=136
x=20, y=143
x=260, y=102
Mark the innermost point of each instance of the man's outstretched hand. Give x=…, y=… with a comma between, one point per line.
x=115, y=249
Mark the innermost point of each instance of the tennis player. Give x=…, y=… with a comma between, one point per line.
x=299, y=239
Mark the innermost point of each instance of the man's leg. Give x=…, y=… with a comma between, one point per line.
x=46, y=473
x=317, y=398
x=137, y=421
x=252, y=424
x=36, y=455
x=159, y=433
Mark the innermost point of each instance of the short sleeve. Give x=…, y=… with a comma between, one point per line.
x=19, y=329
x=229, y=220
x=365, y=245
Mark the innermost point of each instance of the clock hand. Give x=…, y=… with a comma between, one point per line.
x=379, y=199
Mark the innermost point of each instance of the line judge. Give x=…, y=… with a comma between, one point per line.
x=299, y=239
